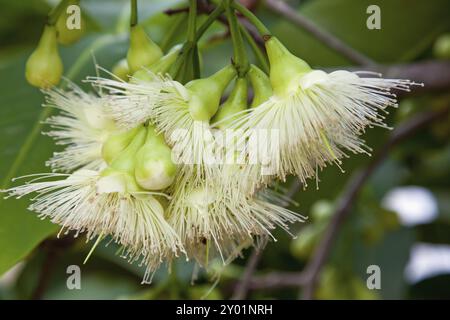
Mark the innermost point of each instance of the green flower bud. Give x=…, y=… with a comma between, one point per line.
x=44, y=67
x=121, y=70
x=142, y=51
x=285, y=68
x=164, y=64
x=206, y=93
x=68, y=36
x=236, y=102
x=154, y=167
x=116, y=143
x=441, y=48
x=262, y=90
x=125, y=161
x=160, y=66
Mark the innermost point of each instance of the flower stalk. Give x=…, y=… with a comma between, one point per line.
x=240, y=59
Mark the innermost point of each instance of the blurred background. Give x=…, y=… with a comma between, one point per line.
x=391, y=210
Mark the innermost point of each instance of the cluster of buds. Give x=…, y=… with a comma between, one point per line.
x=166, y=167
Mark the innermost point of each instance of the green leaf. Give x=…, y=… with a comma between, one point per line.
x=24, y=150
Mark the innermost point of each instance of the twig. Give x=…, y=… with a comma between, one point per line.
x=53, y=249
x=242, y=287
x=330, y=40
x=276, y=280
x=309, y=276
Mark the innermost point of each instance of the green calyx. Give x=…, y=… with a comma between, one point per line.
x=117, y=143
x=121, y=69
x=206, y=93
x=76, y=23
x=142, y=51
x=262, y=89
x=44, y=67
x=160, y=66
x=285, y=68
x=154, y=168
x=163, y=65
x=236, y=102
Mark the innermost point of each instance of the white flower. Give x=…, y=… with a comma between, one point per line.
x=320, y=117
x=133, y=103
x=210, y=221
x=82, y=126
x=105, y=204
x=192, y=141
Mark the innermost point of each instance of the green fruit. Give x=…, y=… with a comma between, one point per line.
x=142, y=51
x=206, y=93
x=262, y=89
x=154, y=169
x=44, y=67
x=121, y=70
x=236, y=102
x=441, y=48
x=68, y=36
x=285, y=68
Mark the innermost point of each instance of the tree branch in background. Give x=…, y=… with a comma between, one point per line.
x=324, y=36
x=308, y=278
x=242, y=287
x=53, y=249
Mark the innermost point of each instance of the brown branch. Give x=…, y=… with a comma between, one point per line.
x=242, y=287
x=324, y=36
x=277, y=280
x=53, y=249
x=309, y=276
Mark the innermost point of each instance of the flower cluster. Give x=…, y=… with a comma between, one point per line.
x=167, y=167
